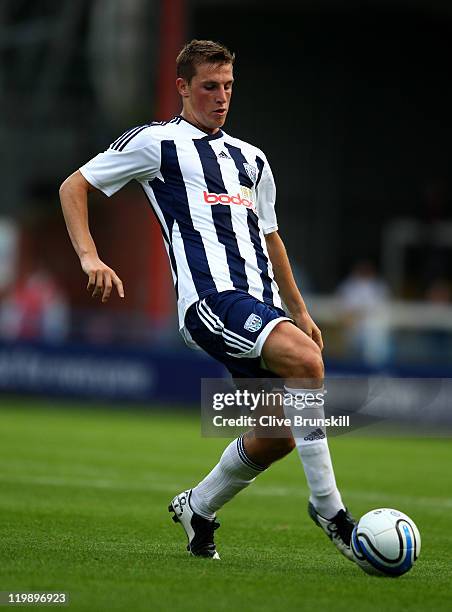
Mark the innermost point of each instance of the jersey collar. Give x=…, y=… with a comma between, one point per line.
x=208, y=136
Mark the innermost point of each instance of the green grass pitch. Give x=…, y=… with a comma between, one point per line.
x=83, y=509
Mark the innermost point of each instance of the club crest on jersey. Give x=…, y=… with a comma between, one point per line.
x=251, y=172
x=253, y=323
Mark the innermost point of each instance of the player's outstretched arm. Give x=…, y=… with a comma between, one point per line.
x=288, y=288
x=74, y=202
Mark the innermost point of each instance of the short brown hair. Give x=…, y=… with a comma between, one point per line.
x=201, y=52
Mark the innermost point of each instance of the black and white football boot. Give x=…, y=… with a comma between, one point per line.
x=198, y=529
x=338, y=529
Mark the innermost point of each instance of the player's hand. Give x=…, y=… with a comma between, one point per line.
x=101, y=278
x=306, y=324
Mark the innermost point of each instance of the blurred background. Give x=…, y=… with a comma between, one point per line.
x=350, y=101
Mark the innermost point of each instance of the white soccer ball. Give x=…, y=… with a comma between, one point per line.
x=386, y=542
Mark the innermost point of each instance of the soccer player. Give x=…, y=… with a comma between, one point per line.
x=214, y=198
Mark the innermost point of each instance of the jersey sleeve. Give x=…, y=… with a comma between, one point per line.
x=266, y=198
x=137, y=158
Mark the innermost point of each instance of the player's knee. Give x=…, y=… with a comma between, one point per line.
x=266, y=451
x=289, y=445
x=305, y=363
x=280, y=447
x=313, y=364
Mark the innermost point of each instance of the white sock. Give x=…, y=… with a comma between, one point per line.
x=312, y=447
x=233, y=472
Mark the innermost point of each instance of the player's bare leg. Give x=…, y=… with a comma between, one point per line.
x=292, y=355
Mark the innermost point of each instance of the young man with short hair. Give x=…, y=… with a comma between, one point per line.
x=214, y=198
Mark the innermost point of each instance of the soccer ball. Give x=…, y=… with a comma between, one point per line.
x=386, y=542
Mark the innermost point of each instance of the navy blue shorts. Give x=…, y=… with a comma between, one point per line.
x=232, y=327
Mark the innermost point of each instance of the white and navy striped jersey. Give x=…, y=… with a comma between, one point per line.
x=214, y=198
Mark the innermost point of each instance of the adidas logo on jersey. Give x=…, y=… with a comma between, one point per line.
x=223, y=155
x=317, y=434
